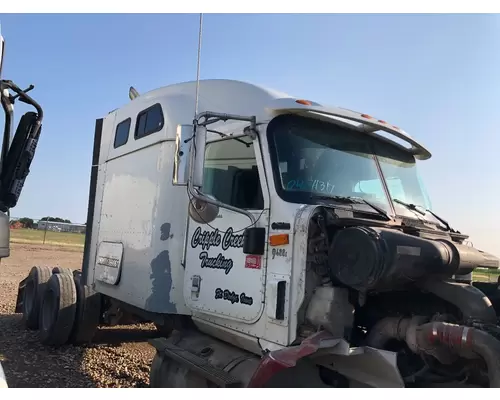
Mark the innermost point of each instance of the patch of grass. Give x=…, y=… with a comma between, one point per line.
x=34, y=236
x=486, y=275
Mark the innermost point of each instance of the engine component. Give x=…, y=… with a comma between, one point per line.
x=472, y=303
x=330, y=308
x=435, y=338
x=369, y=258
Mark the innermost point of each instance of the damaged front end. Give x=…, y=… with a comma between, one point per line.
x=386, y=305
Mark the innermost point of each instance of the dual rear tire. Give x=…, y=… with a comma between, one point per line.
x=58, y=310
x=59, y=304
x=33, y=295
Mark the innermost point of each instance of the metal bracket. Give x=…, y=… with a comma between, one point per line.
x=194, y=363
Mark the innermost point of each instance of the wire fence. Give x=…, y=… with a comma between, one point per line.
x=48, y=232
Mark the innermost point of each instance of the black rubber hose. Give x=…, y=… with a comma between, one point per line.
x=387, y=329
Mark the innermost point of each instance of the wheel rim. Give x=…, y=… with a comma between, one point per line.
x=29, y=297
x=48, y=310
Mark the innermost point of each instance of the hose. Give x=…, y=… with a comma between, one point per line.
x=459, y=337
x=425, y=338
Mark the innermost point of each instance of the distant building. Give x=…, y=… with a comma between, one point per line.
x=16, y=225
x=60, y=227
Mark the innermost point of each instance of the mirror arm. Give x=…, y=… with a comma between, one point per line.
x=195, y=192
x=212, y=117
x=8, y=108
x=199, y=196
x=25, y=98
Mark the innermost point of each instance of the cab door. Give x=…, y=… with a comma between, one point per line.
x=221, y=280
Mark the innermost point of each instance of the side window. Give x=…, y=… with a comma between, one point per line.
x=231, y=174
x=149, y=121
x=121, y=134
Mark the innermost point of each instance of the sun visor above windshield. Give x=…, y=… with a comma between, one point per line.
x=353, y=120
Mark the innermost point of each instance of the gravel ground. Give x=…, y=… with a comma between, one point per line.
x=120, y=356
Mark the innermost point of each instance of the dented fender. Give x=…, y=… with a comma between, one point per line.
x=366, y=365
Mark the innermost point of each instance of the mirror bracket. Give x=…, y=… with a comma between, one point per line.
x=197, y=157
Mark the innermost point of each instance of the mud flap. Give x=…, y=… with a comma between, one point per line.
x=20, y=296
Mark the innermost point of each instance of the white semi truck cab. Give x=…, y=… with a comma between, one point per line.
x=274, y=241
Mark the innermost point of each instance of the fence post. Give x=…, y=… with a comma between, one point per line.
x=45, y=231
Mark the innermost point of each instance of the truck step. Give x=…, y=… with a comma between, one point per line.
x=194, y=363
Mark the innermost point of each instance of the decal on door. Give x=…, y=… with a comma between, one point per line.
x=207, y=239
x=253, y=262
x=219, y=262
x=233, y=297
x=213, y=238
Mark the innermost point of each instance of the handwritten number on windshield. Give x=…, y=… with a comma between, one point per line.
x=315, y=185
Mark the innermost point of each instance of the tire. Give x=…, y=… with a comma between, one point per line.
x=33, y=295
x=62, y=270
x=88, y=312
x=58, y=310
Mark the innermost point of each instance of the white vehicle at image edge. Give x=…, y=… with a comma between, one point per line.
x=3, y=380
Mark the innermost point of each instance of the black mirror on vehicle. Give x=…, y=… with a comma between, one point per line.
x=18, y=160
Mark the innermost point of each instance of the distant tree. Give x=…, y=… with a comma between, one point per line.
x=27, y=222
x=55, y=219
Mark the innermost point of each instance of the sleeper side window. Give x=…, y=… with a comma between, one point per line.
x=149, y=121
x=122, y=131
x=231, y=174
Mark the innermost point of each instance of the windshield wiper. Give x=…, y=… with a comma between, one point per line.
x=410, y=206
x=419, y=209
x=353, y=200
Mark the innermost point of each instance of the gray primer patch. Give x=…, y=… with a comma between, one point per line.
x=165, y=232
x=161, y=278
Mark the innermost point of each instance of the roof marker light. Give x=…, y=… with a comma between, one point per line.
x=382, y=121
x=304, y=102
x=366, y=116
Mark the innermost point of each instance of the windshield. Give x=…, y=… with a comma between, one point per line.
x=312, y=159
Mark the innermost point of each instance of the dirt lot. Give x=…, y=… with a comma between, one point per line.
x=120, y=356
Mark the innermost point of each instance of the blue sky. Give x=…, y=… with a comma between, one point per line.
x=436, y=76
